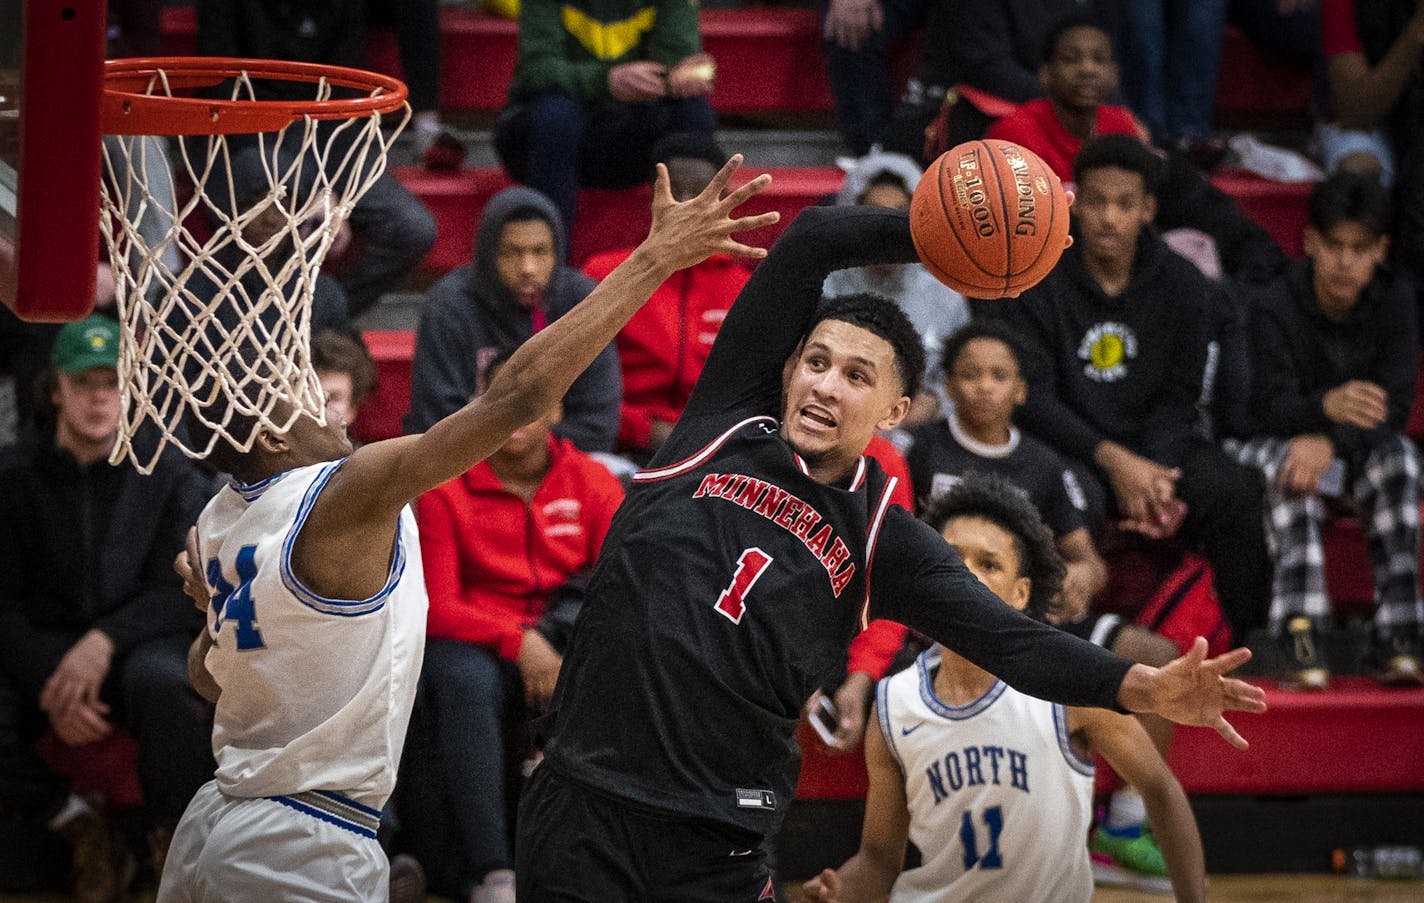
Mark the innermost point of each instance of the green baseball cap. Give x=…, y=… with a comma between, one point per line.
x=93, y=342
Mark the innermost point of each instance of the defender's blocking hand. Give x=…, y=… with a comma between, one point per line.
x=687, y=233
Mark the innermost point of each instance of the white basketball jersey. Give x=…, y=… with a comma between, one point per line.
x=316, y=692
x=1000, y=805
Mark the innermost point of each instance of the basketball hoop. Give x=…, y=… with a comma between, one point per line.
x=226, y=333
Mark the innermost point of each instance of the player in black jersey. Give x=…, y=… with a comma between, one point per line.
x=733, y=578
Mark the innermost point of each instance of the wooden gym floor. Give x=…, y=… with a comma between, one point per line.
x=1273, y=888
x=1224, y=889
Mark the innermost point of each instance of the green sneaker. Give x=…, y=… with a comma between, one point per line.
x=1128, y=859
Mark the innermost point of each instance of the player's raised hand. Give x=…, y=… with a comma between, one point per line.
x=1194, y=690
x=687, y=233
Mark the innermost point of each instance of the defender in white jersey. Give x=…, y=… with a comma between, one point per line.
x=993, y=787
x=309, y=567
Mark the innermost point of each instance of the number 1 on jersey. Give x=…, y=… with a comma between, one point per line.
x=733, y=601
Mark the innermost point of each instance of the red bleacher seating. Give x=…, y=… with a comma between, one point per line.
x=829, y=775
x=455, y=199
x=1277, y=207
x=476, y=58
x=767, y=59
x=380, y=417
x=1354, y=737
x=107, y=768
x=1256, y=83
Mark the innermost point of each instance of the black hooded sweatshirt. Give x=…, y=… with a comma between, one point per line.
x=1127, y=368
x=472, y=317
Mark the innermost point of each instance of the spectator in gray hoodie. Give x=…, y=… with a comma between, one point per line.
x=518, y=283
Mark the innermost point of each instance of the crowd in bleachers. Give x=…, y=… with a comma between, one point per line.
x=1176, y=380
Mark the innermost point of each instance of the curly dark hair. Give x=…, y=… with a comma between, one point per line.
x=994, y=499
x=884, y=318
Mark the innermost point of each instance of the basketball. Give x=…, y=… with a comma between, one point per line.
x=989, y=219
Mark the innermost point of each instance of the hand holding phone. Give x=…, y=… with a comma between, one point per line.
x=825, y=719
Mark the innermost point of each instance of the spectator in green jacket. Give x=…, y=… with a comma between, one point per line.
x=596, y=84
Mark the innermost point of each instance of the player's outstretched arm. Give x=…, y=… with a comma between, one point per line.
x=1121, y=740
x=1194, y=690
x=384, y=476
x=871, y=872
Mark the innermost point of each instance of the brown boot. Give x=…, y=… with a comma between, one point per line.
x=102, y=868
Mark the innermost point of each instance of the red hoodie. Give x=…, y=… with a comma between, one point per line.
x=663, y=348
x=491, y=559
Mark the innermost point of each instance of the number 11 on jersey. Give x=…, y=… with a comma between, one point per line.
x=733, y=601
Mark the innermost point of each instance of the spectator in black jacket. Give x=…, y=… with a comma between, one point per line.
x=1335, y=357
x=94, y=627
x=1115, y=354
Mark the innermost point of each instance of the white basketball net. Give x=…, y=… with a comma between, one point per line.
x=226, y=331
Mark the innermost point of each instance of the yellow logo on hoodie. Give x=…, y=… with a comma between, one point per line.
x=1107, y=348
x=611, y=40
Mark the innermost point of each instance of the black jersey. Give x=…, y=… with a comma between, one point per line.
x=731, y=582
x=745, y=578
x=938, y=459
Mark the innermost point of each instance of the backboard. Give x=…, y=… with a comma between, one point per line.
x=51, y=76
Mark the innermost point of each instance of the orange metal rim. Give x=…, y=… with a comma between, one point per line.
x=127, y=109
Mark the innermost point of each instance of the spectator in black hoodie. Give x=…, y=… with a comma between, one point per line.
x=94, y=627
x=519, y=282
x=1335, y=357
x=1116, y=354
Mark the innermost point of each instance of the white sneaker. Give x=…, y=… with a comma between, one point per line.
x=498, y=887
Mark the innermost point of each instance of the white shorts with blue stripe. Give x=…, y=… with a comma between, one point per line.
x=314, y=846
